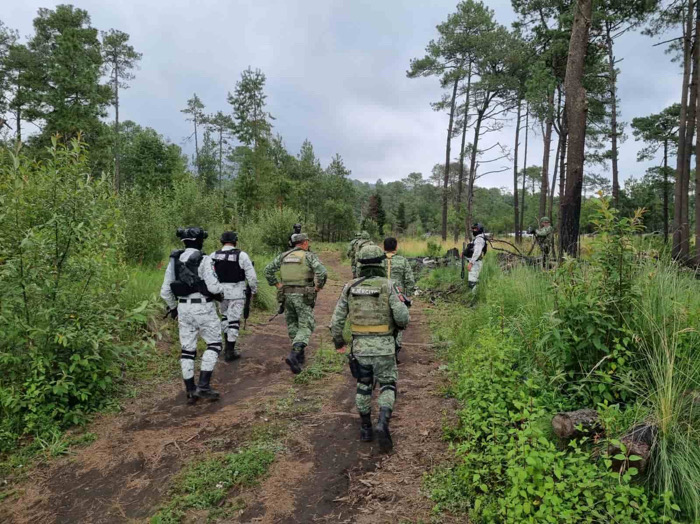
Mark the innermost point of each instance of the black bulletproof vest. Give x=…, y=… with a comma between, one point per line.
x=187, y=279
x=227, y=266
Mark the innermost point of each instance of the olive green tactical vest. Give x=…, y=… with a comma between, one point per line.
x=370, y=312
x=294, y=269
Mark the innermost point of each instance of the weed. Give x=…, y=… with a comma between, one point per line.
x=324, y=362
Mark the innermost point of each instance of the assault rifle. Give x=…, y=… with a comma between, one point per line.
x=246, y=307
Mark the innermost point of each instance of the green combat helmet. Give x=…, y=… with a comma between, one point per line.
x=371, y=255
x=544, y=219
x=364, y=235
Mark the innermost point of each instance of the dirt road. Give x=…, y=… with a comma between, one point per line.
x=324, y=474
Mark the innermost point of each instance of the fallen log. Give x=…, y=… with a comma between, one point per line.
x=638, y=442
x=576, y=424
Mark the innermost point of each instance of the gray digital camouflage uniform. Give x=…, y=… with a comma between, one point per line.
x=299, y=298
x=196, y=316
x=234, y=296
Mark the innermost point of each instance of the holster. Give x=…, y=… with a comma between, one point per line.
x=310, y=296
x=354, y=366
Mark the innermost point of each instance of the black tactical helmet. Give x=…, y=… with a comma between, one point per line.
x=191, y=233
x=297, y=228
x=478, y=229
x=229, y=237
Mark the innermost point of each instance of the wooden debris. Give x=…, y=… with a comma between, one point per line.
x=576, y=424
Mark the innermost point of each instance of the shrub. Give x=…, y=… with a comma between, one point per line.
x=61, y=275
x=147, y=225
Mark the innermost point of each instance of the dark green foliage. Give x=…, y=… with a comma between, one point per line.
x=61, y=274
x=70, y=62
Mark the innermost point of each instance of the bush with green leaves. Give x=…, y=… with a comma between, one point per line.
x=147, y=224
x=61, y=236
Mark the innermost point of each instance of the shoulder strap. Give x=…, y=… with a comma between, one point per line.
x=175, y=253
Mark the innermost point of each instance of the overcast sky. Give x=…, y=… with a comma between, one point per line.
x=336, y=74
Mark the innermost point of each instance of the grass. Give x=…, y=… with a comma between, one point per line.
x=324, y=362
x=204, y=484
x=519, y=306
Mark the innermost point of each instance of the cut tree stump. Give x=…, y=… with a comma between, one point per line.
x=575, y=424
x=638, y=441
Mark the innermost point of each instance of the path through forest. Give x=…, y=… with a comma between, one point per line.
x=324, y=474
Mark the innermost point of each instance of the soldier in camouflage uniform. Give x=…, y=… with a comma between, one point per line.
x=359, y=244
x=189, y=288
x=297, y=268
x=376, y=309
x=544, y=237
x=399, y=270
x=351, y=250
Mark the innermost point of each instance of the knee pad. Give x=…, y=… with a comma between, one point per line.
x=387, y=386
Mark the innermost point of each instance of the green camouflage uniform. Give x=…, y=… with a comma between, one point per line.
x=299, y=301
x=545, y=239
x=375, y=353
x=361, y=242
x=399, y=270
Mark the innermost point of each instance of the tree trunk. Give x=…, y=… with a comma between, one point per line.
x=117, y=143
x=562, y=174
x=612, y=79
x=196, y=144
x=461, y=151
x=666, y=191
x=18, y=122
x=575, y=424
x=527, y=132
x=446, y=180
x=550, y=208
x=516, y=223
x=682, y=153
x=576, y=109
x=689, y=134
x=544, y=188
x=638, y=441
x=472, y=168
x=686, y=188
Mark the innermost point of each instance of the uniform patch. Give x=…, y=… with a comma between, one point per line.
x=366, y=291
x=292, y=260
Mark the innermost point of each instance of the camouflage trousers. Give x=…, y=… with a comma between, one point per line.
x=383, y=370
x=198, y=320
x=231, y=312
x=299, y=315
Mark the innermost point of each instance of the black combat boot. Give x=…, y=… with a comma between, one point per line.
x=382, y=429
x=292, y=361
x=190, y=388
x=299, y=348
x=366, y=431
x=204, y=390
x=230, y=351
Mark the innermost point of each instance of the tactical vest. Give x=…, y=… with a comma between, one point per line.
x=294, y=269
x=370, y=312
x=469, y=252
x=187, y=279
x=227, y=266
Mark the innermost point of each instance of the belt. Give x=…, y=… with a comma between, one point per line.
x=376, y=330
x=297, y=289
x=194, y=300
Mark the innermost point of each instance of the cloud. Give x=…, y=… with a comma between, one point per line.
x=335, y=74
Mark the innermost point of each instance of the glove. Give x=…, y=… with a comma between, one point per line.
x=172, y=313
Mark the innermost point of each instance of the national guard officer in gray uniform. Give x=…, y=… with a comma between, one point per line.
x=189, y=289
x=233, y=268
x=377, y=310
